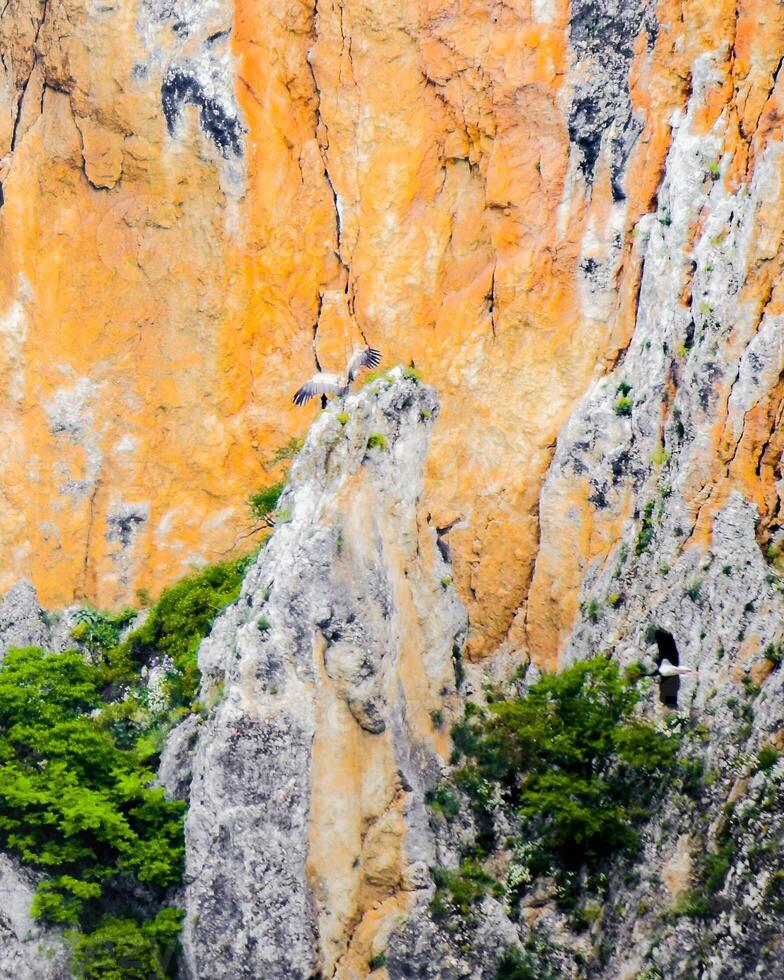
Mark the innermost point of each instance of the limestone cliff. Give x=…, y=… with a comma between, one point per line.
x=330, y=685
x=307, y=834
x=570, y=216
x=191, y=193
x=310, y=848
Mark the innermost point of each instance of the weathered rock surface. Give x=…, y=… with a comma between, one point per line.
x=24, y=623
x=27, y=950
x=570, y=215
x=461, y=183
x=307, y=835
x=722, y=608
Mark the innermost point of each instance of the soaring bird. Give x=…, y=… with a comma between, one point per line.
x=338, y=384
x=667, y=669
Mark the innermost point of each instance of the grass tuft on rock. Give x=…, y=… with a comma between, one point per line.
x=378, y=441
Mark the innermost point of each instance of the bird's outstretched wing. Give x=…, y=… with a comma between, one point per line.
x=320, y=384
x=363, y=357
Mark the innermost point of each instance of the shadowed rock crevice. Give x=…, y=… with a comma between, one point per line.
x=181, y=88
x=603, y=35
x=668, y=650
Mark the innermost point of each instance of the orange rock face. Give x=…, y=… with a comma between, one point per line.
x=197, y=202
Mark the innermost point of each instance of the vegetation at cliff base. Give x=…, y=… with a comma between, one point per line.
x=99, y=631
x=123, y=949
x=80, y=734
x=572, y=762
x=514, y=964
x=75, y=805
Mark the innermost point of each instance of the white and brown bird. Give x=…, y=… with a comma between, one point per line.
x=338, y=384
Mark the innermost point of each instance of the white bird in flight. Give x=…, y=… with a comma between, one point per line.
x=667, y=669
x=338, y=384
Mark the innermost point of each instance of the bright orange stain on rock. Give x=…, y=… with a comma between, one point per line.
x=407, y=179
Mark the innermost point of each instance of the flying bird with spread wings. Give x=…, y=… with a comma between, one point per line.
x=338, y=384
x=667, y=669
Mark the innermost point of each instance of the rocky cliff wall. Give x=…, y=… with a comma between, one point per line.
x=329, y=689
x=192, y=194
x=570, y=217
x=311, y=846
x=307, y=832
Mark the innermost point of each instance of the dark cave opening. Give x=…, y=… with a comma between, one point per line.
x=668, y=650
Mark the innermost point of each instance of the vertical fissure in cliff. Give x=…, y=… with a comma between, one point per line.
x=26, y=83
x=321, y=124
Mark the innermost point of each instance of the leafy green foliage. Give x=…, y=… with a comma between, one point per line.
x=767, y=758
x=623, y=406
x=624, y=388
x=774, y=891
x=443, y=800
x=572, y=759
x=285, y=453
x=459, y=890
x=585, y=916
x=123, y=949
x=78, y=746
x=592, y=610
x=716, y=864
x=514, y=964
x=645, y=535
x=178, y=622
x=377, y=961
x=263, y=503
x=660, y=458
x=100, y=631
x=72, y=802
x=774, y=555
x=692, y=904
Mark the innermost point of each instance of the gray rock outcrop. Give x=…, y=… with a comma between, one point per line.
x=28, y=951
x=307, y=834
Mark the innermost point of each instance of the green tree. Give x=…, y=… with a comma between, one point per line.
x=123, y=949
x=572, y=758
x=71, y=801
x=178, y=623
